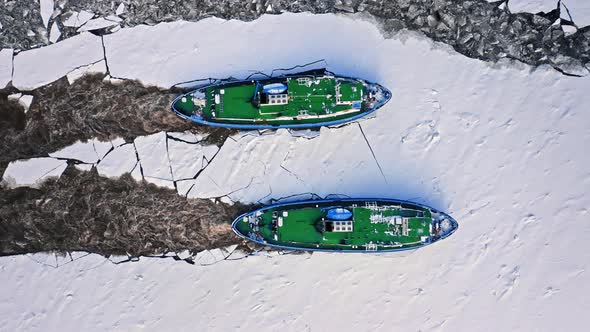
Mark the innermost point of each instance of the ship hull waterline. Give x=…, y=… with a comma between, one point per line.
x=386, y=96
x=339, y=203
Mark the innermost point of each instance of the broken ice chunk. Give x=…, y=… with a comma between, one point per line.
x=100, y=23
x=569, y=29
x=24, y=100
x=121, y=160
x=76, y=19
x=31, y=172
x=46, y=8
x=121, y=9
x=5, y=67
x=55, y=33
x=82, y=151
x=31, y=69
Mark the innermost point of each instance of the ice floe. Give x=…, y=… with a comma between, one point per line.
x=89, y=152
x=44, y=65
x=100, y=23
x=31, y=172
x=321, y=37
x=187, y=160
x=24, y=100
x=98, y=67
x=77, y=19
x=46, y=7
x=500, y=147
x=154, y=159
x=5, y=67
x=120, y=9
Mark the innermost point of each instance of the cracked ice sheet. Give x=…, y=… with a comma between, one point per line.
x=153, y=158
x=99, y=67
x=89, y=152
x=187, y=136
x=78, y=19
x=5, y=67
x=160, y=55
x=44, y=65
x=100, y=23
x=500, y=147
x=579, y=9
x=188, y=159
x=31, y=172
x=245, y=167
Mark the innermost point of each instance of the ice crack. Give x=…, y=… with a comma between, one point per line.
x=372, y=153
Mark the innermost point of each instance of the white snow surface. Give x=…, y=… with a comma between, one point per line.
x=5, y=67
x=200, y=45
x=501, y=147
x=31, y=172
x=37, y=67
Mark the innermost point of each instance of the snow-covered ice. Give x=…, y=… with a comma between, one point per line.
x=187, y=160
x=154, y=160
x=498, y=146
x=5, y=67
x=31, y=172
x=200, y=45
x=55, y=33
x=41, y=66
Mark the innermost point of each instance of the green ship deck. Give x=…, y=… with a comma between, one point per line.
x=370, y=226
x=306, y=99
